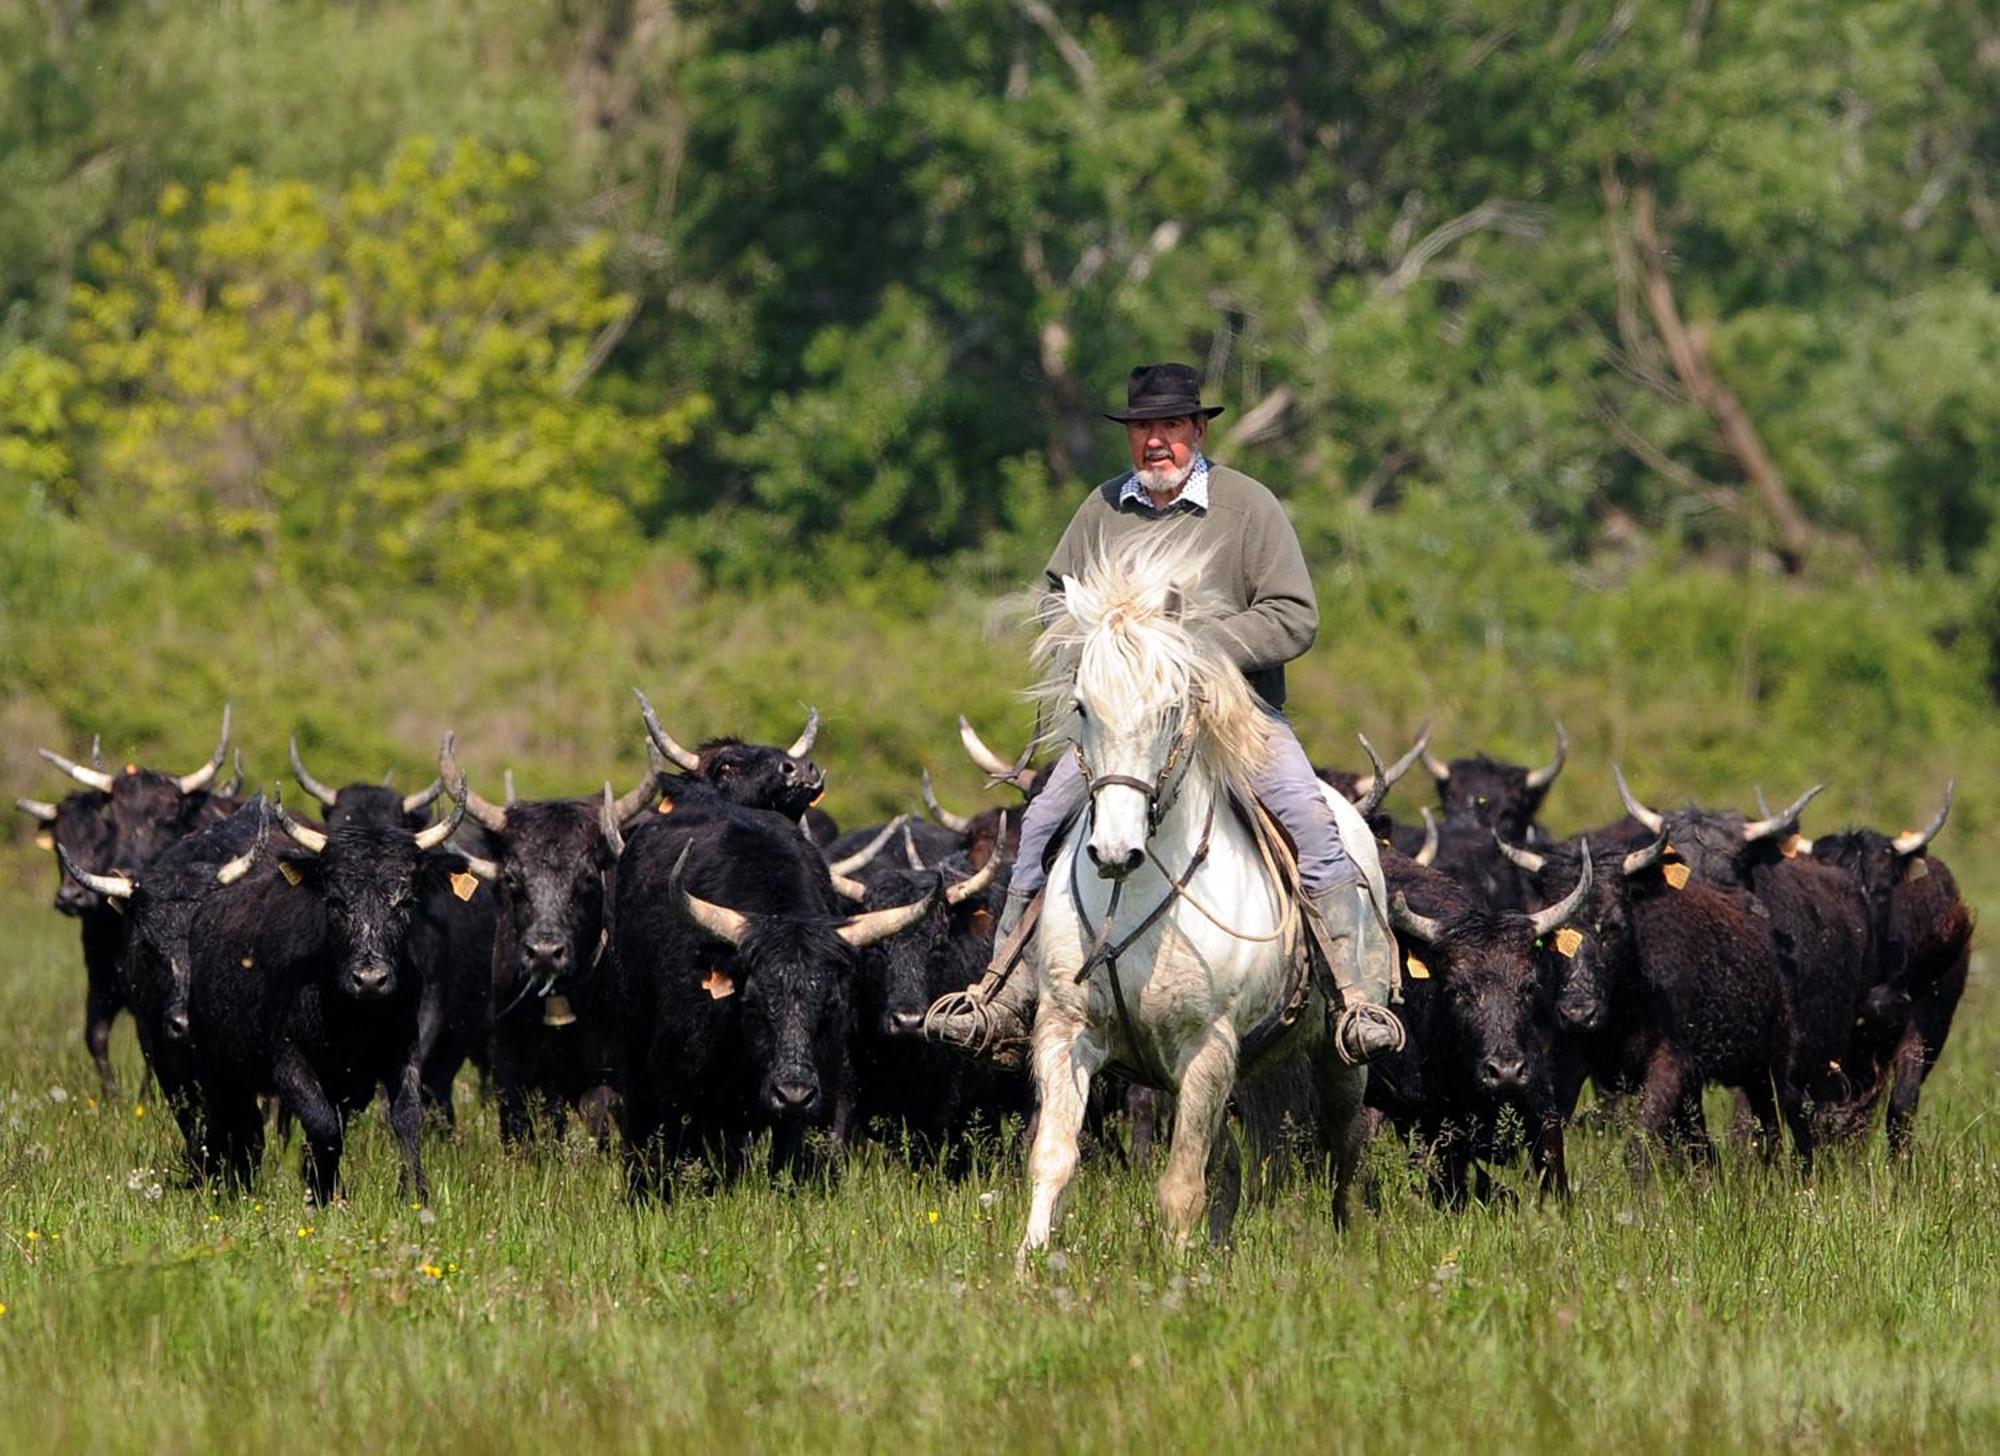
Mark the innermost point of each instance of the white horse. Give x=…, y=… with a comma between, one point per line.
x=1165, y=727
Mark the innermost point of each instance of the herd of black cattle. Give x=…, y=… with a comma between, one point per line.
x=706, y=958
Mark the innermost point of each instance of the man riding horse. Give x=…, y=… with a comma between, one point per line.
x=1255, y=561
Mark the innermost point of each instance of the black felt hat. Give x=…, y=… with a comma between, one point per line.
x=1162, y=392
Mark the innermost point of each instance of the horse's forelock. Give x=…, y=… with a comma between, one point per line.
x=1131, y=628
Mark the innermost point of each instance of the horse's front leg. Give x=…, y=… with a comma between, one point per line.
x=1067, y=1054
x=1207, y=1075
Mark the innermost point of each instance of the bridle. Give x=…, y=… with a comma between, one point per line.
x=1159, y=793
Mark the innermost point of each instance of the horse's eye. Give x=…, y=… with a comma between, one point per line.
x=1081, y=711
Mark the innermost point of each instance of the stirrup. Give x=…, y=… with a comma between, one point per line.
x=953, y=1006
x=1367, y=1014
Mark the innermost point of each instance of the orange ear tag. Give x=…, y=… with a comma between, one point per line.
x=1678, y=875
x=464, y=884
x=718, y=985
x=247, y=962
x=666, y=806
x=45, y=841
x=816, y=798
x=1569, y=940
x=1418, y=970
x=1790, y=848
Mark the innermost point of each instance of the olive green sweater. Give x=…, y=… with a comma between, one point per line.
x=1257, y=566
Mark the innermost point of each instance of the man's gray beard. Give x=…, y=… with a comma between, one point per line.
x=1157, y=480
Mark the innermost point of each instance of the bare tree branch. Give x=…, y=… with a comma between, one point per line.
x=1688, y=348
x=1262, y=421
x=1501, y=217
x=1067, y=46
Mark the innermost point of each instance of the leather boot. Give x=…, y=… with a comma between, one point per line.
x=1363, y=967
x=992, y=1018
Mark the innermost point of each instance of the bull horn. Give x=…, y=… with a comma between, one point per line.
x=663, y=740
x=848, y=889
x=1519, y=857
x=305, y=838
x=235, y=785
x=1001, y=771
x=1418, y=927
x=489, y=814
x=1912, y=843
x=90, y=778
x=423, y=798
x=1372, y=787
x=117, y=887
x=864, y=930
x=201, y=777
x=97, y=750
x=306, y=781
x=1541, y=778
x=910, y=856
x=956, y=823
x=507, y=788
x=1552, y=917
x=1653, y=821
x=1437, y=767
x=866, y=854
x=965, y=889
x=718, y=920
x=431, y=838
x=643, y=795
x=1771, y=825
x=39, y=809
x=237, y=868
x=803, y=744
x=607, y=819
x=1763, y=804
x=1393, y=775
x=1645, y=857
x=1428, y=850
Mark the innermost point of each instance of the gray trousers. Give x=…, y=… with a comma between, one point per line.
x=1287, y=786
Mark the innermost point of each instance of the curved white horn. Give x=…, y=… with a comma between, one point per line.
x=39, y=809
x=1541, y=778
x=305, y=838
x=507, y=798
x=1373, y=787
x=118, y=887
x=90, y=778
x=956, y=823
x=1653, y=821
x=237, y=868
x=1907, y=844
x=491, y=815
x=910, y=856
x=663, y=740
x=607, y=821
x=866, y=854
x=965, y=889
x=1520, y=858
x=1428, y=850
x=643, y=795
x=423, y=798
x=431, y=838
x=1642, y=859
x=803, y=744
x=865, y=930
x=1771, y=825
x=996, y=767
x=1435, y=766
x=1418, y=927
x=718, y=920
x=306, y=781
x=199, y=779
x=1552, y=917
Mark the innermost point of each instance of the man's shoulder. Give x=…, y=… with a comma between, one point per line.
x=1230, y=489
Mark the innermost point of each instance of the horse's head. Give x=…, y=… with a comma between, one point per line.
x=1146, y=697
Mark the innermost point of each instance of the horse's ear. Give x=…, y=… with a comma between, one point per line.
x=1175, y=606
x=1076, y=596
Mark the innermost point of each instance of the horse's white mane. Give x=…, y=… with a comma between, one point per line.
x=1133, y=628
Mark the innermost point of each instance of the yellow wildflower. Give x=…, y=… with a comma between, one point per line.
x=139, y=1110
x=934, y=1215
x=3, y=1311
x=305, y=1230
x=32, y=1236
x=433, y=1271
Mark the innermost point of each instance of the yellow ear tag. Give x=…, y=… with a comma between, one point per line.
x=131, y=768
x=1678, y=875
x=1790, y=848
x=247, y=962
x=556, y=1012
x=290, y=871
x=666, y=806
x=1418, y=970
x=45, y=841
x=1569, y=940
x=464, y=884
x=718, y=985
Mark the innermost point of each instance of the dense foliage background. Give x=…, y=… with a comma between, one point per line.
x=389, y=365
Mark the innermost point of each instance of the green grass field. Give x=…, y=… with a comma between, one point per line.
x=532, y=1308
